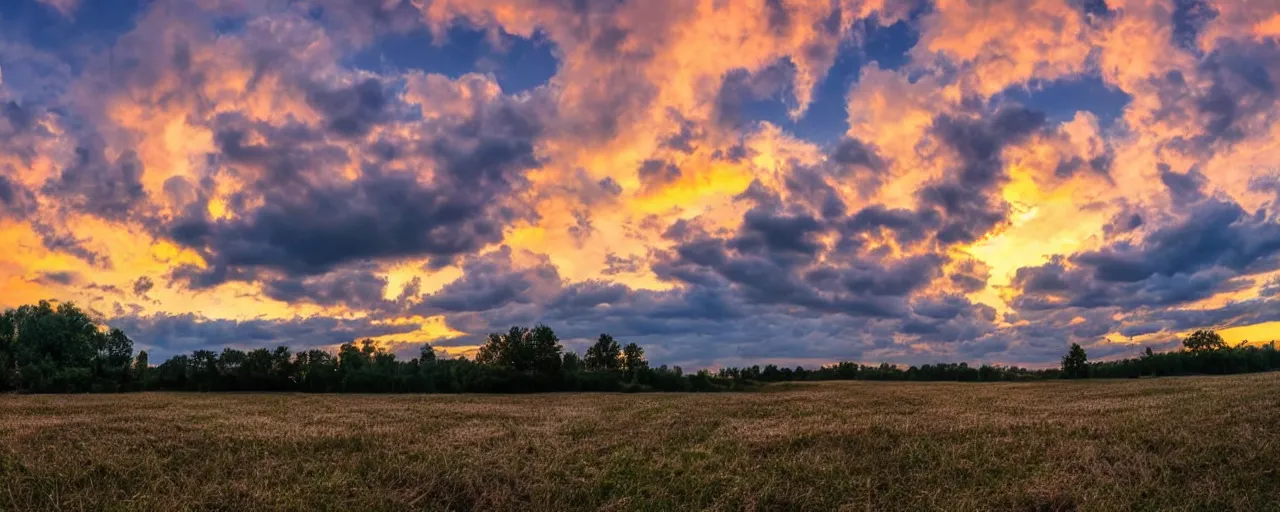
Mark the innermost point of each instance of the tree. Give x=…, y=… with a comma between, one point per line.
x=141, y=368
x=58, y=349
x=571, y=363
x=523, y=350
x=1204, y=340
x=8, y=333
x=544, y=351
x=633, y=358
x=113, y=359
x=1075, y=365
x=499, y=349
x=428, y=355
x=604, y=355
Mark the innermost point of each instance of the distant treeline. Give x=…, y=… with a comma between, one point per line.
x=59, y=349
x=1204, y=352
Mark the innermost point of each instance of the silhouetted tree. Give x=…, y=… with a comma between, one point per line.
x=1075, y=365
x=633, y=359
x=48, y=348
x=523, y=350
x=545, y=351
x=428, y=355
x=571, y=362
x=142, y=369
x=1204, y=340
x=604, y=355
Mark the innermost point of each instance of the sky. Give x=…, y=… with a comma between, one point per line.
x=724, y=182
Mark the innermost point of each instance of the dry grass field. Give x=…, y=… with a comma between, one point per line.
x=1194, y=443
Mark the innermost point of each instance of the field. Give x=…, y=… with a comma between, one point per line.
x=1191, y=443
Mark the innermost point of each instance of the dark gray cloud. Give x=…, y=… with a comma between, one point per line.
x=16, y=202
x=1238, y=102
x=351, y=111
x=684, y=137
x=19, y=131
x=142, y=285
x=1157, y=265
x=1214, y=232
x=60, y=240
x=656, y=173
x=615, y=264
x=1052, y=286
x=850, y=153
x=1186, y=187
x=741, y=87
x=610, y=186
x=1271, y=288
x=773, y=259
x=58, y=278
x=970, y=276
x=97, y=185
x=17, y=118
x=966, y=198
x=358, y=288
x=492, y=281
x=305, y=224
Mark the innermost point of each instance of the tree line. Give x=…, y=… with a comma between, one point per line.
x=59, y=349
x=1204, y=352
x=46, y=348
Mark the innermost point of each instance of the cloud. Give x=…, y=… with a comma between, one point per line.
x=143, y=285
x=490, y=282
x=305, y=222
x=59, y=278
x=15, y=200
x=97, y=186
x=1209, y=247
x=351, y=111
x=67, y=8
x=725, y=182
x=964, y=198
x=60, y=240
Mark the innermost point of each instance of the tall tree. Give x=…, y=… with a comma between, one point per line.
x=571, y=362
x=501, y=349
x=604, y=355
x=633, y=358
x=1075, y=365
x=427, y=356
x=544, y=351
x=141, y=369
x=1204, y=340
x=522, y=349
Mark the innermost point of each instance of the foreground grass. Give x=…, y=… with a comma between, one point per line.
x=1193, y=443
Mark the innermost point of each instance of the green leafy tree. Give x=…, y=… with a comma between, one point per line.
x=499, y=349
x=1075, y=365
x=8, y=335
x=427, y=356
x=523, y=350
x=142, y=369
x=1204, y=340
x=571, y=363
x=56, y=349
x=604, y=355
x=544, y=351
x=633, y=358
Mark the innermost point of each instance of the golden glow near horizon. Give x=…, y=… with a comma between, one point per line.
x=1005, y=177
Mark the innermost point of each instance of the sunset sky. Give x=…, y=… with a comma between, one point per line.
x=724, y=182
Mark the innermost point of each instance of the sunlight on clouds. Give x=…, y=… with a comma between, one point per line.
x=291, y=167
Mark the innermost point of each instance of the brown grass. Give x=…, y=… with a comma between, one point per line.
x=1194, y=443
